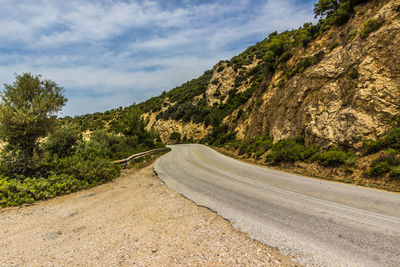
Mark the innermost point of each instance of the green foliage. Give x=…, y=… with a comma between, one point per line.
x=303, y=64
x=72, y=174
x=335, y=12
x=383, y=164
x=14, y=192
x=258, y=145
x=333, y=46
x=175, y=136
x=220, y=68
x=28, y=112
x=215, y=82
x=371, y=146
x=336, y=157
x=325, y=7
x=219, y=135
x=378, y=170
x=352, y=34
x=395, y=173
x=291, y=150
x=62, y=142
x=369, y=27
x=390, y=140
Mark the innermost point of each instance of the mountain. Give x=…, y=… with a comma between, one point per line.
x=328, y=83
x=321, y=100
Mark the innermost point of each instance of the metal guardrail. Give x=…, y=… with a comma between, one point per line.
x=138, y=155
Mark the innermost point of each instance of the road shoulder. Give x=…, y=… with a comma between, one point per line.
x=134, y=220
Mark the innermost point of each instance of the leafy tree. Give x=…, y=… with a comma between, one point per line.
x=325, y=7
x=28, y=112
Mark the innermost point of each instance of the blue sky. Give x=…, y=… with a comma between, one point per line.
x=112, y=53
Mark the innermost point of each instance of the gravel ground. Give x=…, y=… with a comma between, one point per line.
x=133, y=221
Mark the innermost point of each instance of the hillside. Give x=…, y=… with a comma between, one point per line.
x=331, y=87
x=321, y=100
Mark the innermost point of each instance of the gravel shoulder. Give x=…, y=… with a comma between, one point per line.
x=133, y=221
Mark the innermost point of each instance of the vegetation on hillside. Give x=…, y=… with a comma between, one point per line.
x=33, y=169
x=39, y=162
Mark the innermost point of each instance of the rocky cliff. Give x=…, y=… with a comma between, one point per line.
x=338, y=89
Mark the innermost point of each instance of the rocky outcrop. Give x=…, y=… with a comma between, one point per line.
x=165, y=128
x=349, y=96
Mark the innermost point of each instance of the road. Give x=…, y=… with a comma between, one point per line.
x=320, y=222
x=130, y=221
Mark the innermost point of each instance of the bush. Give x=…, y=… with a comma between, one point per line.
x=392, y=139
x=333, y=46
x=215, y=82
x=62, y=142
x=95, y=171
x=352, y=34
x=369, y=27
x=291, y=150
x=395, y=173
x=175, y=136
x=378, y=169
x=72, y=174
x=383, y=164
x=103, y=145
x=336, y=157
x=15, y=192
x=371, y=146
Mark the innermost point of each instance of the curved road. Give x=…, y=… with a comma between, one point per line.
x=320, y=222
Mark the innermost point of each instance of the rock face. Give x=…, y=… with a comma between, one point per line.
x=165, y=128
x=350, y=95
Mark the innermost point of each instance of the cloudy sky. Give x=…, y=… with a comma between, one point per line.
x=112, y=53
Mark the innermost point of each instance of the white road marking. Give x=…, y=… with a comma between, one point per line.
x=301, y=196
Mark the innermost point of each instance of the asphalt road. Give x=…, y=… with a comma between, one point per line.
x=320, y=222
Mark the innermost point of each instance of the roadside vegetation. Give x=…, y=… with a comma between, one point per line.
x=42, y=158
x=45, y=157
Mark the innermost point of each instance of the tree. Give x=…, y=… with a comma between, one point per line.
x=325, y=7
x=28, y=112
x=340, y=10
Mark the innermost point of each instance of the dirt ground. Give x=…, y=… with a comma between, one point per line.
x=133, y=221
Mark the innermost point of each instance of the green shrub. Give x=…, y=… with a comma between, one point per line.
x=391, y=139
x=371, y=146
x=215, y=82
x=217, y=93
x=333, y=46
x=290, y=150
x=175, y=136
x=220, y=68
x=384, y=163
x=93, y=171
x=379, y=169
x=352, y=34
x=369, y=27
x=62, y=142
x=395, y=173
x=102, y=145
x=16, y=192
x=336, y=157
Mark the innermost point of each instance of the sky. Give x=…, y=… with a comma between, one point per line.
x=112, y=53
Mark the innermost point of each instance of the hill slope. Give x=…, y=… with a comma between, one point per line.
x=329, y=84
